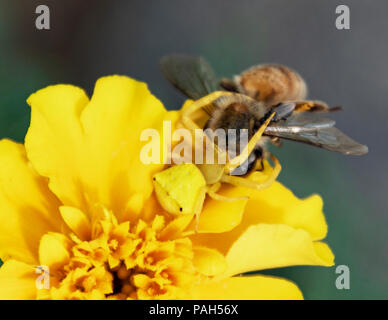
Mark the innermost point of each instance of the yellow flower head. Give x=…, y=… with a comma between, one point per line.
x=80, y=219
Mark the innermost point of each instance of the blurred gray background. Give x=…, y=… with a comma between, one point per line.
x=89, y=39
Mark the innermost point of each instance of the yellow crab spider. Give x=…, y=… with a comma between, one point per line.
x=181, y=189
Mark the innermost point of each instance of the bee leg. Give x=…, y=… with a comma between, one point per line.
x=245, y=182
x=259, y=165
x=237, y=161
x=212, y=194
x=276, y=141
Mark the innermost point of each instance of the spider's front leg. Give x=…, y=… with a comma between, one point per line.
x=245, y=182
x=190, y=124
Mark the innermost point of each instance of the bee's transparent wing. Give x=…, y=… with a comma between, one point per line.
x=191, y=75
x=319, y=132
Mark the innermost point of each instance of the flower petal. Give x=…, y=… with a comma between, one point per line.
x=54, y=251
x=17, y=281
x=209, y=262
x=275, y=206
x=278, y=205
x=90, y=150
x=119, y=110
x=175, y=227
x=267, y=246
x=54, y=140
x=28, y=209
x=77, y=221
x=248, y=288
x=222, y=216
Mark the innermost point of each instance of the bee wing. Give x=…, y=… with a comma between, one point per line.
x=304, y=121
x=319, y=132
x=191, y=75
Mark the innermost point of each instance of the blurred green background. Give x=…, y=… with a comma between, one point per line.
x=89, y=39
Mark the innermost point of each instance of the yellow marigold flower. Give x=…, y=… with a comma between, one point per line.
x=77, y=199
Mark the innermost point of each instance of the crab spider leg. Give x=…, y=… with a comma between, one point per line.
x=212, y=194
x=277, y=166
x=200, y=103
x=191, y=125
x=244, y=182
x=237, y=161
x=198, y=206
x=197, y=105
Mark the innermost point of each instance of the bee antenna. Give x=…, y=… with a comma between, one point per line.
x=335, y=108
x=228, y=85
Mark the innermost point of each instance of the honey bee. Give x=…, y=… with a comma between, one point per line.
x=259, y=92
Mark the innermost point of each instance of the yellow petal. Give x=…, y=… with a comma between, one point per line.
x=27, y=207
x=278, y=205
x=176, y=226
x=54, y=251
x=135, y=205
x=151, y=208
x=90, y=150
x=54, y=140
x=267, y=246
x=275, y=205
x=208, y=262
x=119, y=110
x=248, y=288
x=221, y=216
x=77, y=221
x=17, y=281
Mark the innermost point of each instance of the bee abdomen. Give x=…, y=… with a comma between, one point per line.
x=272, y=84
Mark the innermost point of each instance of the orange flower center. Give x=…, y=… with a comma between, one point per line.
x=124, y=261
